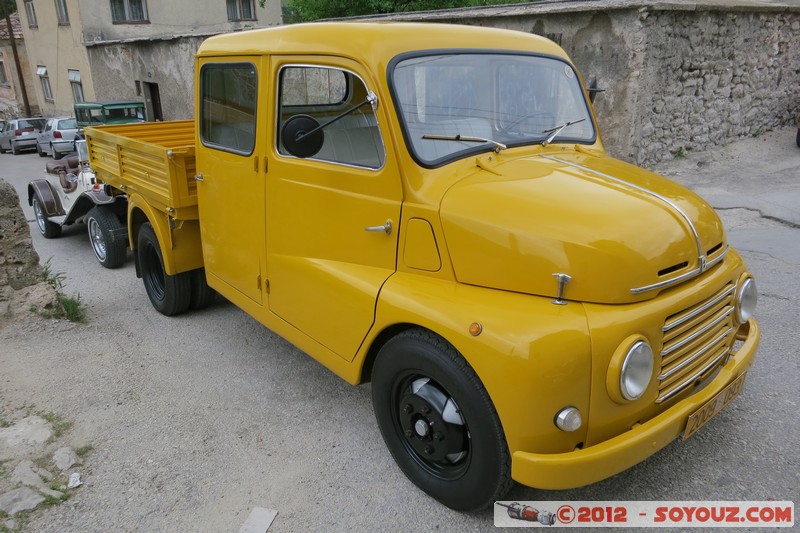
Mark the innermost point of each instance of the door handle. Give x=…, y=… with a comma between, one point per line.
x=386, y=228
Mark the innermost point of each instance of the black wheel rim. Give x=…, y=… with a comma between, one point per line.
x=430, y=426
x=153, y=272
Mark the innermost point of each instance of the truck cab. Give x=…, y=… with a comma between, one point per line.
x=430, y=208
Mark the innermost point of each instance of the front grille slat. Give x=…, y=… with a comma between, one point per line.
x=695, y=342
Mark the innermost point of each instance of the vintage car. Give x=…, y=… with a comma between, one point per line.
x=116, y=112
x=70, y=194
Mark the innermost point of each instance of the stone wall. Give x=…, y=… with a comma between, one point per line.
x=21, y=285
x=679, y=75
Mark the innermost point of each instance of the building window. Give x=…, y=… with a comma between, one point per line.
x=3, y=77
x=128, y=11
x=41, y=71
x=31, y=12
x=61, y=10
x=240, y=10
x=77, y=88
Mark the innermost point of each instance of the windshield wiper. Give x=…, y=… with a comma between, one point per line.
x=555, y=131
x=497, y=146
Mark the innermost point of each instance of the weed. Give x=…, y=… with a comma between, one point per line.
x=60, y=425
x=54, y=279
x=68, y=307
x=680, y=153
x=758, y=133
x=83, y=451
x=71, y=308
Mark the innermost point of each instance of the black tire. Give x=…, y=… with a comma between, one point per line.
x=2, y=150
x=438, y=421
x=107, y=236
x=50, y=230
x=798, y=138
x=56, y=155
x=14, y=149
x=40, y=151
x=202, y=294
x=170, y=295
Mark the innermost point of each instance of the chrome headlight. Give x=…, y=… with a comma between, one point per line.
x=637, y=370
x=746, y=300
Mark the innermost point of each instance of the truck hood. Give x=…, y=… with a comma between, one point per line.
x=621, y=233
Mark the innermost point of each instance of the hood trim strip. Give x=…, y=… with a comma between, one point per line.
x=702, y=259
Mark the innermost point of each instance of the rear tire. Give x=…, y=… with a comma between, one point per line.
x=170, y=295
x=109, y=243
x=202, y=294
x=39, y=151
x=50, y=230
x=14, y=149
x=438, y=421
x=56, y=155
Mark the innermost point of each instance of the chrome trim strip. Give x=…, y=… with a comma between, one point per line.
x=696, y=375
x=698, y=333
x=682, y=277
x=701, y=256
x=695, y=356
x=711, y=303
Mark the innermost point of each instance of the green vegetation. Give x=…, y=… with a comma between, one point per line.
x=308, y=10
x=68, y=307
x=59, y=423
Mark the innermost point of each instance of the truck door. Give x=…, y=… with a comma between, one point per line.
x=231, y=111
x=332, y=215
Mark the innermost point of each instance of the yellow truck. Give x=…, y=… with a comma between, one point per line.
x=430, y=208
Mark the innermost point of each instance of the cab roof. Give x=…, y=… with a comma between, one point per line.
x=372, y=42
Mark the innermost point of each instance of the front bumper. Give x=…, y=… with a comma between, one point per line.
x=589, y=465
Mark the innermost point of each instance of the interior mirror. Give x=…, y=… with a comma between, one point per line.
x=302, y=136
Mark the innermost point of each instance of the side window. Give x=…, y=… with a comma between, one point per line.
x=228, y=93
x=338, y=100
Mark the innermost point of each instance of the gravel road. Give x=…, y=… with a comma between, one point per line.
x=197, y=419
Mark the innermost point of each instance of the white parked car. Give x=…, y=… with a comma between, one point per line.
x=58, y=137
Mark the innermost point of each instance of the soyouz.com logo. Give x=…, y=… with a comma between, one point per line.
x=719, y=514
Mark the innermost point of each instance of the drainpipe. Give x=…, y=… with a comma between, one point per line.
x=22, y=89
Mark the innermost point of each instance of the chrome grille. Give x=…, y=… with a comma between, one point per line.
x=695, y=342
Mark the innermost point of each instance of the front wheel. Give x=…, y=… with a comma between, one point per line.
x=438, y=421
x=50, y=230
x=107, y=235
x=170, y=295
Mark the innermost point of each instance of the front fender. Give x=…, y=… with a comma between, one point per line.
x=48, y=196
x=533, y=357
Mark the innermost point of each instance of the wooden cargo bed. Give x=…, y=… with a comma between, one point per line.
x=154, y=159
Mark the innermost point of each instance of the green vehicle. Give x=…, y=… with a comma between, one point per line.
x=117, y=112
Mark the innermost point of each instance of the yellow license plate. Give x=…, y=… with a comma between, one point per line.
x=700, y=417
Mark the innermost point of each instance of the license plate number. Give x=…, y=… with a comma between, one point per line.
x=700, y=417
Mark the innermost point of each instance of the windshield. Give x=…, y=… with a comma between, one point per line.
x=494, y=100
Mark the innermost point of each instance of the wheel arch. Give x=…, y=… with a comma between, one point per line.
x=179, y=240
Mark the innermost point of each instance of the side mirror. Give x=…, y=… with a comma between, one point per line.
x=302, y=136
x=83, y=151
x=593, y=90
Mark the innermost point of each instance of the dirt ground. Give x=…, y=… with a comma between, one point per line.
x=195, y=420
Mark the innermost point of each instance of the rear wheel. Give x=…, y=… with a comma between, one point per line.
x=56, y=155
x=40, y=151
x=14, y=149
x=50, y=230
x=170, y=295
x=107, y=235
x=202, y=294
x=438, y=421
